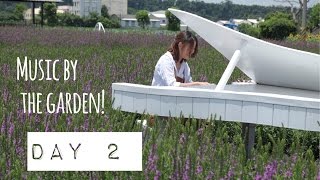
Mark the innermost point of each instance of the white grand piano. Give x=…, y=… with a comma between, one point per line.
x=286, y=92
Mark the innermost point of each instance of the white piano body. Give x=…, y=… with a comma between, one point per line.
x=286, y=92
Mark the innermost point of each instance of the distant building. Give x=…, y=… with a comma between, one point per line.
x=64, y=9
x=116, y=7
x=28, y=13
x=60, y=9
x=255, y=22
x=161, y=16
x=239, y=21
x=130, y=21
x=158, y=19
x=83, y=8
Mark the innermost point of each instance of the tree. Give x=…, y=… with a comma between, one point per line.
x=277, y=25
x=143, y=18
x=296, y=12
x=314, y=21
x=92, y=20
x=249, y=30
x=173, y=22
x=50, y=13
x=18, y=11
x=104, y=11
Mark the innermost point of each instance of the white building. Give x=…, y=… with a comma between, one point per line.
x=160, y=15
x=116, y=7
x=130, y=21
x=64, y=9
x=60, y=9
x=83, y=8
x=28, y=13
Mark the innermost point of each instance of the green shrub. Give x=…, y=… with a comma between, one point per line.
x=277, y=26
x=249, y=30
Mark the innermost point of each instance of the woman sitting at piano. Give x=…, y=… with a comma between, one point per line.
x=172, y=68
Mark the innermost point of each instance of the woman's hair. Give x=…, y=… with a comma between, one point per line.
x=186, y=37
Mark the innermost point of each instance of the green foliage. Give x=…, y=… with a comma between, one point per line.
x=277, y=26
x=50, y=14
x=109, y=23
x=278, y=15
x=68, y=19
x=91, y=20
x=173, y=22
x=249, y=30
x=143, y=18
x=104, y=11
x=18, y=11
x=314, y=21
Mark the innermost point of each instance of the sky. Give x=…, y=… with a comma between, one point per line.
x=261, y=2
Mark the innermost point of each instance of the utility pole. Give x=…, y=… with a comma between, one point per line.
x=304, y=15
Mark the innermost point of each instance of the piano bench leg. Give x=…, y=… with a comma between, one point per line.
x=248, y=134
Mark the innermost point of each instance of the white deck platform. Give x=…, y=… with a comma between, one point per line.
x=297, y=109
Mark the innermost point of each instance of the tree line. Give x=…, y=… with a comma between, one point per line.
x=14, y=12
x=222, y=11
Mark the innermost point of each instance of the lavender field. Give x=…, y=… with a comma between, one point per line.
x=174, y=148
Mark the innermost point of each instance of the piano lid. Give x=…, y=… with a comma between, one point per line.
x=263, y=62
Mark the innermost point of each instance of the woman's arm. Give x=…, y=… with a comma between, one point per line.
x=193, y=84
x=187, y=73
x=188, y=78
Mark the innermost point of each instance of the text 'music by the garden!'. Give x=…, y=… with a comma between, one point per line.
x=73, y=151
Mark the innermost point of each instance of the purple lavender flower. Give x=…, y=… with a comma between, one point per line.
x=69, y=121
x=230, y=174
x=5, y=95
x=210, y=175
x=182, y=139
x=5, y=70
x=186, y=169
x=200, y=131
x=152, y=161
x=199, y=169
x=11, y=129
x=37, y=118
x=270, y=170
x=8, y=166
x=157, y=176
x=3, y=127
x=47, y=127
x=288, y=173
x=303, y=173
x=294, y=158
x=19, y=147
x=258, y=177
x=86, y=124
x=318, y=177
x=87, y=87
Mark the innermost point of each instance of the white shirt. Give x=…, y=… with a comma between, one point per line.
x=165, y=71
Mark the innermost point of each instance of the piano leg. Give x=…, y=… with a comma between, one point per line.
x=248, y=134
